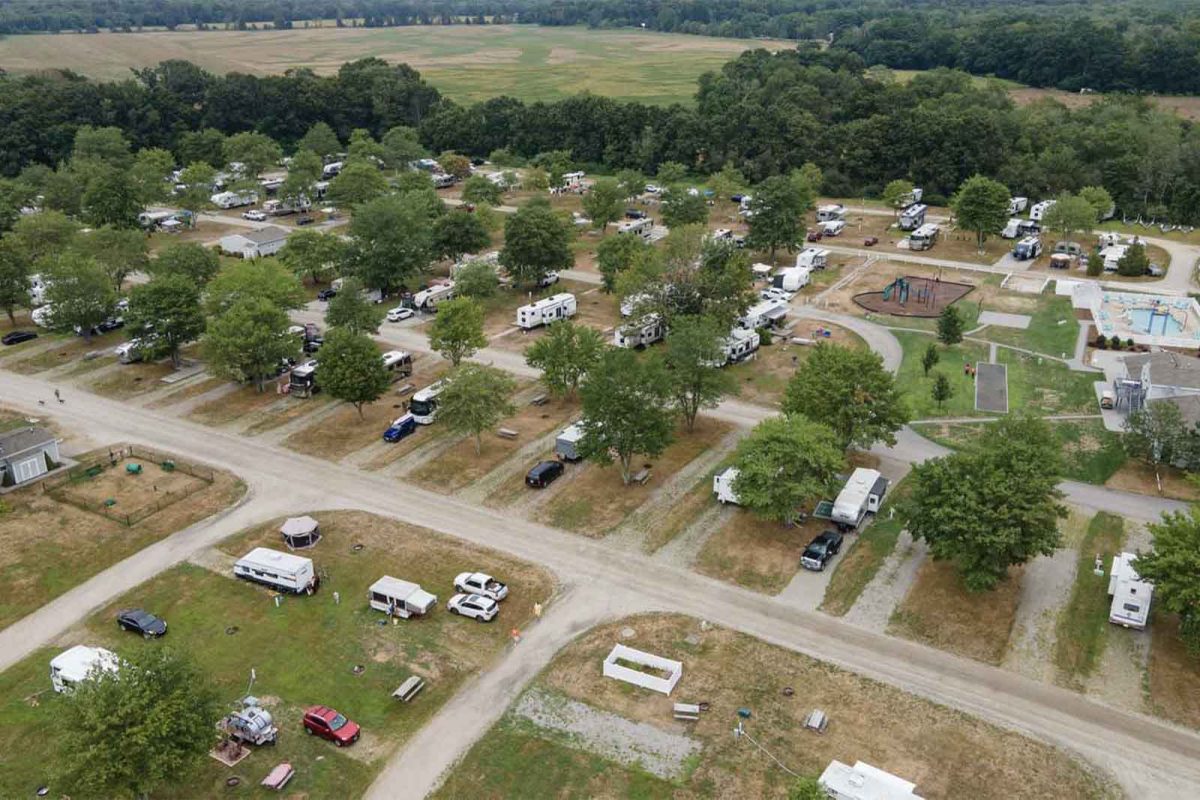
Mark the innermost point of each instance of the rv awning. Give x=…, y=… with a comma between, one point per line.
x=779, y=312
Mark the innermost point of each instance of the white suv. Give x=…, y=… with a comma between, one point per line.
x=476, y=606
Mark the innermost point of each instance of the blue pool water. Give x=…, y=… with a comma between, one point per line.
x=1164, y=325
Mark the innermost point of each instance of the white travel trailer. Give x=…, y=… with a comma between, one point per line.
x=79, y=663
x=152, y=219
x=639, y=227
x=923, y=237
x=740, y=345
x=630, y=304
x=1131, y=596
x=912, y=197
x=792, y=279
x=566, y=444
x=723, y=486
x=833, y=227
x=429, y=299
x=443, y=181
x=863, y=782
x=861, y=495
x=233, y=199
x=491, y=258
x=424, y=403
x=639, y=334
x=286, y=572
x=1017, y=205
x=813, y=258
x=1112, y=256
x=331, y=170
x=398, y=363
x=913, y=217
x=1039, y=210
x=37, y=289
x=547, y=310
x=831, y=212
x=398, y=598
x=1012, y=230
x=766, y=313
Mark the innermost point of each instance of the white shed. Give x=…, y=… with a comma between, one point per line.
x=864, y=782
x=256, y=243
x=26, y=454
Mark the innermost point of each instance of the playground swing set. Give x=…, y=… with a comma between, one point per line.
x=900, y=289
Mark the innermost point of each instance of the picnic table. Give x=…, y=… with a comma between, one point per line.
x=278, y=777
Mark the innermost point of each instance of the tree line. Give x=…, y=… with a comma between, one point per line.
x=1115, y=45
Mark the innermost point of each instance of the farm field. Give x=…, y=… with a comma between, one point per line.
x=468, y=63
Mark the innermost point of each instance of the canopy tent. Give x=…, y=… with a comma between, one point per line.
x=300, y=532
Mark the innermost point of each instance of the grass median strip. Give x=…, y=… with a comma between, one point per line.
x=861, y=564
x=1082, y=626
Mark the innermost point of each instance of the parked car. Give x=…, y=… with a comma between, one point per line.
x=822, y=548
x=813, y=236
x=634, y=213
x=1155, y=271
x=652, y=188
x=400, y=427
x=870, y=241
x=773, y=293
x=313, y=344
x=482, y=584
x=543, y=474
x=474, y=606
x=140, y=621
x=16, y=337
x=110, y=324
x=549, y=279
x=399, y=314
x=254, y=216
x=326, y=294
x=305, y=220
x=323, y=721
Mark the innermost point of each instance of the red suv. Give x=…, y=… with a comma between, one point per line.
x=329, y=724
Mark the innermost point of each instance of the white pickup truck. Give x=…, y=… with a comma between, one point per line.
x=482, y=584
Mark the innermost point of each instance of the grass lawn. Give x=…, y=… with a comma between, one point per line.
x=758, y=554
x=48, y=546
x=1048, y=387
x=940, y=612
x=1091, y=453
x=860, y=564
x=192, y=388
x=1174, y=673
x=911, y=378
x=467, y=62
x=1136, y=476
x=232, y=407
x=65, y=349
x=763, y=379
x=303, y=652
x=1082, y=627
x=597, y=501
x=1052, y=329
x=685, y=510
x=461, y=466
x=131, y=380
x=881, y=725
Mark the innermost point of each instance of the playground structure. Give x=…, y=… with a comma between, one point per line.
x=1149, y=319
x=914, y=296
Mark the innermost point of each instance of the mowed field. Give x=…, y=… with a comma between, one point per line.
x=467, y=63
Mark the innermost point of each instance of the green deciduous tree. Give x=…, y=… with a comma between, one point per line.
x=455, y=164
x=459, y=231
x=350, y=310
x=457, y=331
x=1070, y=214
x=680, y=207
x=314, y=255
x=80, y=294
x=1157, y=435
x=392, y=240
x=625, y=410
x=248, y=340
x=616, y=254
x=981, y=205
x=476, y=279
x=351, y=368
x=785, y=464
x=107, y=146
x=777, y=209
x=150, y=173
x=671, y=173
x=1099, y=199
x=726, y=183
x=265, y=278
x=694, y=357
x=197, y=179
x=363, y=148
x=206, y=146
x=303, y=174
x=125, y=734
x=119, y=252
x=111, y=198
x=481, y=191
x=536, y=241
x=604, y=203
x=43, y=235
x=632, y=183
x=896, y=192
x=402, y=147
x=930, y=358
x=990, y=507
x=536, y=180
x=851, y=392
x=941, y=391
x=255, y=151
x=565, y=355
x=1173, y=566
x=950, y=326
x=358, y=182
x=167, y=312
x=475, y=400
x=190, y=259
x=14, y=282
x=320, y=139
x=1134, y=262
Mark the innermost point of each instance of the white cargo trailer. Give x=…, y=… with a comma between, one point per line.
x=566, y=444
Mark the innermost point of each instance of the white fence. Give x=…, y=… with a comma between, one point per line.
x=638, y=678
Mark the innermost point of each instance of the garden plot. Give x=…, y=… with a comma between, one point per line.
x=308, y=650
x=51, y=542
x=898, y=732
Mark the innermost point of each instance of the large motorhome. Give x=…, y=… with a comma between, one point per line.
x=912, y=198
x=1027, y=248
x=831, y=212
x=545, y=311
x=429, y=299
x=283, y=571
x=913, y=217
x=923, y=237
x=639, y=227
x=303, y=380
x=424, y=403
x=862, y=494
x=234, y=199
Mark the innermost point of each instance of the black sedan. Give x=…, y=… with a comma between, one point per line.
x=143, y=622
x=822, y=548
x=326, y=294
x=16, y=337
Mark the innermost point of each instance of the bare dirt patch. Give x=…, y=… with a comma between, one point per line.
x=1134, y=476
x=916, y=297
x=763, y=379
x=754, y=553
x=123, y=492
x=1174, y=674
x=232, y=407
x=939, y=611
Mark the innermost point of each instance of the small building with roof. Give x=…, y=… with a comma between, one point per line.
x=27, y=454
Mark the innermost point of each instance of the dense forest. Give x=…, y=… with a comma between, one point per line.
x=764, y=113
x=1149, y=46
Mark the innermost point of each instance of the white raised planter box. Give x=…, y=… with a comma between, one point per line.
x=612, y=669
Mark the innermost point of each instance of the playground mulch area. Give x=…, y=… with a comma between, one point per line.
x=913, y=296
x=991, y=388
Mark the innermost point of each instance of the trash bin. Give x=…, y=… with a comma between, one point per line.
x=168, y=466
x=133, y=469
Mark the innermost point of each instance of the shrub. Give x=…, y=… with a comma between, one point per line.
x=764, y=336
x=1101, y=342
x=1115, y=342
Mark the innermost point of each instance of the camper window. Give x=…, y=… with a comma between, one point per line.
x=1132, y=607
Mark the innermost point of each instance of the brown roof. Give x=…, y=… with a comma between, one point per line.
x=1166, y=369
x=21, y=440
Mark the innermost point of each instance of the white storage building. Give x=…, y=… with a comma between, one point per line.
x=256, y=243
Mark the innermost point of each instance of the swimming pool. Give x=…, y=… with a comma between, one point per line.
x=1143, y=319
